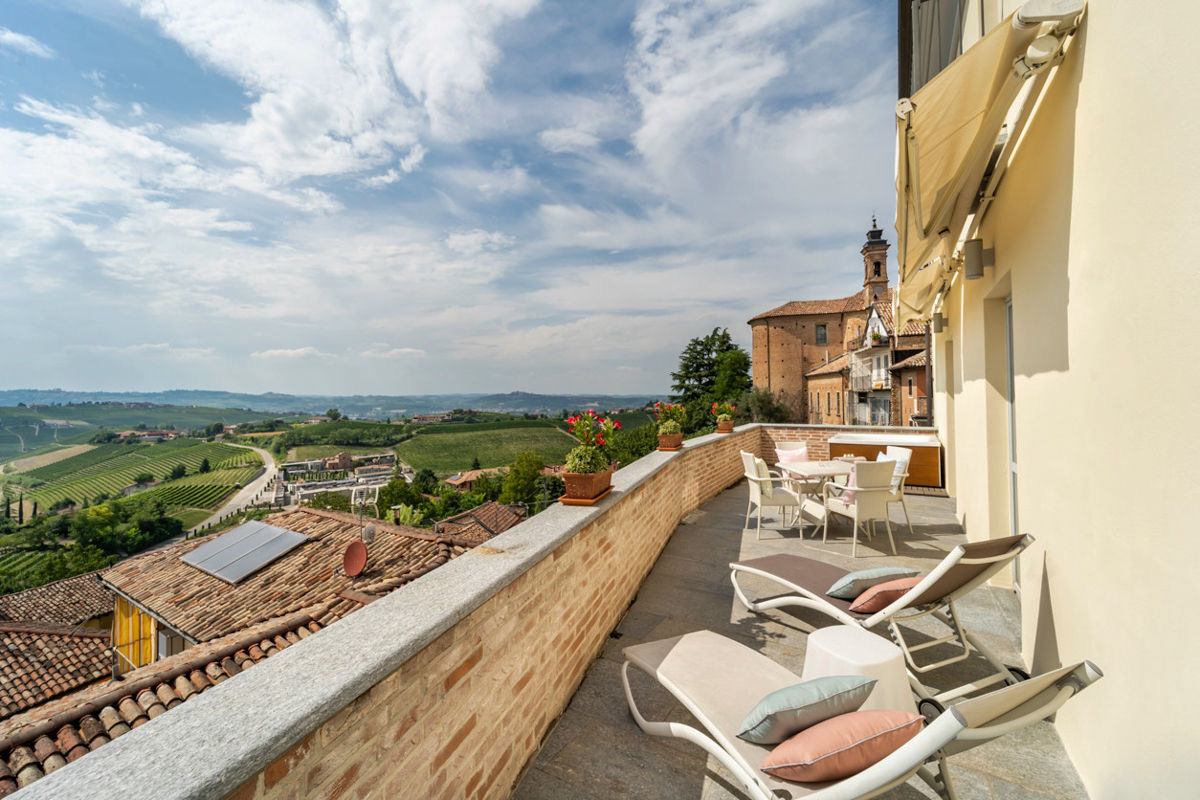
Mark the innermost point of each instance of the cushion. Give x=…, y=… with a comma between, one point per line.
x=882, y=595
x=900, y=469
x=793, y=708
x=853, y=584
x=842, y=746
x=848, y=496
x=796, y=456
x=764, y=471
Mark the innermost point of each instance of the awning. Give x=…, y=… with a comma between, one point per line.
x=955, y=137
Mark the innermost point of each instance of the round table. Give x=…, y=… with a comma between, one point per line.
x=851, y=650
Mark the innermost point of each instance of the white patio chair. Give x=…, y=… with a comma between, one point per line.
x=902, y=456
x=866, y=501
x=799, y=485
x=767, y=489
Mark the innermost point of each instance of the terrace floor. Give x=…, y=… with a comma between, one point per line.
x=596, y=751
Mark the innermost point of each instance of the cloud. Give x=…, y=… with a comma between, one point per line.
x=296, y=352
x=24, y=44
x=159, y=350
x=379, y=350
x=474, y=242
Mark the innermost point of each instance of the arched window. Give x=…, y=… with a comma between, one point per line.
x=877, y=268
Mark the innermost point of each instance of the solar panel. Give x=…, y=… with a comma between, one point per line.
x=246, y=549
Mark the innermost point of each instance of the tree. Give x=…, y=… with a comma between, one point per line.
x=20, y=511
x=520, y=484
x=7, y=507
x=407, y=515
x=178, y=471
x=204, y=466
x=762, y=406
x=142, y=478
x=334, y=414
x=698, y=367
x=733, y=374
x=425, y=481
x=475, y=463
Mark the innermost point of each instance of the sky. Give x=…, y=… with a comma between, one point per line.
x=377, y=196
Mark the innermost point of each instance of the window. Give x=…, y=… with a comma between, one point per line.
x=877, y=266
x=828, y=406
x=839, y=397
x=821, y=336
x=910, y=386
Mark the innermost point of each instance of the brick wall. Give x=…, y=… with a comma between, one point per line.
x=465, y=715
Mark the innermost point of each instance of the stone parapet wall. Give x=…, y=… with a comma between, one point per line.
x=818, y=436
x=464, y=716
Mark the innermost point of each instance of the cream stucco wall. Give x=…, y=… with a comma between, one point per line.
x=1092, y=230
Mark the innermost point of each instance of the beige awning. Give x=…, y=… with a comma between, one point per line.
x=952, y=134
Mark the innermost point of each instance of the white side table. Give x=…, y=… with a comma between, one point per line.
x=850, y=650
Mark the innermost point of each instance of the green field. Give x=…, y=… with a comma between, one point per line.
x=191, y=517
x=447, y=453
x=110, y=468
x=633, y=419
x=23, y=430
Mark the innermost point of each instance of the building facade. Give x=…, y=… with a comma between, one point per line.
x=797, y=337
x=1081, y=181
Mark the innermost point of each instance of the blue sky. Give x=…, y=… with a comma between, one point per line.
x=426, y=196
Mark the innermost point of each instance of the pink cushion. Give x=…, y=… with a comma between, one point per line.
x=882, y=595
x=849, y=495
x=797, y=456
x=842, y=746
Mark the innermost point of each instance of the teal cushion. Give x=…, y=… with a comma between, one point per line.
x=792, y=709
x=852, y=585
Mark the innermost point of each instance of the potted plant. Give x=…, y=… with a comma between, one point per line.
x=876, y=337
x=724, y=414
x=587, y=470
x=670, y=418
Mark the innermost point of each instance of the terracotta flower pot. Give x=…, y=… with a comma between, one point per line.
x=725, y=426
x=584, y=488
x=670, y=441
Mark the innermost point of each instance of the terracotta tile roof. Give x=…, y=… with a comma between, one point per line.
x=204, y=607
x=40, y=741
x=39, y=662
x=70, y=601
x=471, y=475
x=832, y=367
x=913, y=328
x=916, y=360
x=858, y=301
x=482, y=522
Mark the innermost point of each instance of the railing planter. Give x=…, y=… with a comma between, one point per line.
x=670, y=441
x=586, y=488
x=724, y=426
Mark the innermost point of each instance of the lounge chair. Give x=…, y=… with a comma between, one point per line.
x=964, y=568
x=719, y=680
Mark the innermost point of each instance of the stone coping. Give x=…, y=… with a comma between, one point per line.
x=211, y=745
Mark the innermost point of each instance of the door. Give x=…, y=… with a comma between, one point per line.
x=1013, y=515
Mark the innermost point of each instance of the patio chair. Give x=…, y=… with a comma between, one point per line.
x=767, y=489
x=719, y=680
x=866, y=501
x=902, y=456
x=799, y=451
x=964, y=568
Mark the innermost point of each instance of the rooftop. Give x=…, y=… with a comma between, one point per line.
x=71, y=601
x=859, y=301
x=833, y=366
x=40, y=662
x=482, y=522
x=203, y=607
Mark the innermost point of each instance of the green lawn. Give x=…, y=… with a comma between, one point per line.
x=306, y=451
x=447, y=453
x=633, y=419
x=191, y=517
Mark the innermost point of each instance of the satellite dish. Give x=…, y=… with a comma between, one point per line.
x=355, y=559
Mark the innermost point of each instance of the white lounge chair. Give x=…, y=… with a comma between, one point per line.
x=902, y=456
x=719, y=680
x=865, y=502
x=768, y=489
x=967, y=566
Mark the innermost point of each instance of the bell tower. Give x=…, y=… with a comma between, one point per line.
x=874, y=253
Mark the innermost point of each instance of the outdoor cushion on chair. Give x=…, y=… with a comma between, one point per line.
x=882, y=595
x=842, y=746
x=855, y=583
x=790, y=710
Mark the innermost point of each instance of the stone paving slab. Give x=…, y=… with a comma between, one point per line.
x=596, y=751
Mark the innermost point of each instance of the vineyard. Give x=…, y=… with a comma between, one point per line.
x=110, y=468
x=203, y=490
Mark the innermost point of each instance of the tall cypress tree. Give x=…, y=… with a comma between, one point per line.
x=20, y=512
